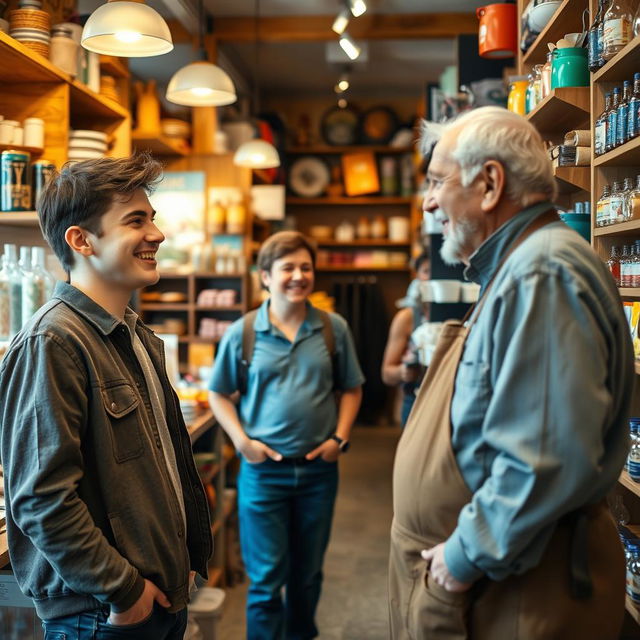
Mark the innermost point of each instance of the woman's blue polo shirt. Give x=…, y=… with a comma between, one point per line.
x=289, y=404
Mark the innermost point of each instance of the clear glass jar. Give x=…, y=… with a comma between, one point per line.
x=537, y=83
x=634, y=202
x=616, y=203
x=617, y=29
x=63, y=50
x=627, y=190
x=602, y=207
x=546, y=76
x=530, y=95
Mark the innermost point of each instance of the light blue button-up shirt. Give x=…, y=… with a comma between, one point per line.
x=289, y=404
x=539, y=412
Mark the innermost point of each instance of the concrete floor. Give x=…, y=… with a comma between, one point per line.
x=354, y=598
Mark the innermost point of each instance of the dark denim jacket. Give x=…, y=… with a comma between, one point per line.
x=91, y=510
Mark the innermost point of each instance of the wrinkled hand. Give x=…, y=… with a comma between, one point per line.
x=255, y=452
x=142, y=607
x=328, y=451
x=439, y=570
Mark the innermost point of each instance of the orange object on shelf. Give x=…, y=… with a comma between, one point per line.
x=498, y=32
x=360, y=173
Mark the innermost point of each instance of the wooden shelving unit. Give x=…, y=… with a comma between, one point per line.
x=571, y=179
x=566, y=19
x=19, y=218
x=622, y=228
x=627, y=154
x=345, y=200
x=562, y=110
x=622, y=66
x=159, y=145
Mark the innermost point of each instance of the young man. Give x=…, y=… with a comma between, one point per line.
x=106, y=514
x=289, y=431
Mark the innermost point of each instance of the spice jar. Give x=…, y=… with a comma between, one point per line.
x=64, y=50
x=363, y=230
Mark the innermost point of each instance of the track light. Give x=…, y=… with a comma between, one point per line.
x=358, y=7
x=341, y=21
x=349, y=46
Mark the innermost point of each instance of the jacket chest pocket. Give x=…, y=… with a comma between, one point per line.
x=121, y=404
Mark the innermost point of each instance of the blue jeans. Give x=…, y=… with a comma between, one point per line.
x=285, y=511
x=92, y=625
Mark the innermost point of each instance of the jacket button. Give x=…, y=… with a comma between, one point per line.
x=114, y=406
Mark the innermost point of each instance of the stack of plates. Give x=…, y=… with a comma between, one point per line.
x=189, y=410
x=87, y=145
x=31, y=26
x=108, y=88
x=174, y=128
x=37, y=40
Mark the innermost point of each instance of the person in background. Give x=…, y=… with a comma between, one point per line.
x=520, y=428
x=400, y=364
x=107, y=519
x=288, y=361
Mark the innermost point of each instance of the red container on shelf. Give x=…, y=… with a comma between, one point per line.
x=498, y=32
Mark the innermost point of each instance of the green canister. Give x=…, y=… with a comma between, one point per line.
x=569, y=68
x=15, y=181
x=41, y=171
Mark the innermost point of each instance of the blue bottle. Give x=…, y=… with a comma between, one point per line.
x=623, y=111
x=633, y=118
x=612, y=122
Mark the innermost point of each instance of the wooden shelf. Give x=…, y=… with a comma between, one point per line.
x=113, y=66
x=233, y=307
x=345, y=200
x=201, y=425
x=84, y=101
x=369, y=242
x=622, y=66
x=627, y=154
x=19, y=218
x=21, y=65
x=571, y=179
x=628, y=292
x=619, y=229
x=159, y=145
x=563, y=109
x=34, y=151
x=351, y=268
x=164, y=306
x=326, y=149
x=626, y=481
x=566, y=19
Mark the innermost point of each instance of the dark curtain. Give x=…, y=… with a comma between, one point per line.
x=359, y=301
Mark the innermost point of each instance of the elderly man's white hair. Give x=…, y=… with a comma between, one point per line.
x=494, y=133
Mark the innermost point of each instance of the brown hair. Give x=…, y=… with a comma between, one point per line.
x=280, y=244
x=83, y=192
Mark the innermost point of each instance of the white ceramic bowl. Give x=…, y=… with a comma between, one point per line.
x=540, y=15
x=469, y=292
x=445, y=290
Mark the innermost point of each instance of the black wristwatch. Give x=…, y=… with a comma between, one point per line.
x=343, y=445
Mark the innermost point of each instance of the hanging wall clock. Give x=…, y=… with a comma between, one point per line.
x=339, y=126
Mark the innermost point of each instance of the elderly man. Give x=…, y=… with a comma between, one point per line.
x=501, y=530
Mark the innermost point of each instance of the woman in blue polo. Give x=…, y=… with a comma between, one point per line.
x=300, y=390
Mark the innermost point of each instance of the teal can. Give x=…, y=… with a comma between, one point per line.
x=569, y=68
x=15, y=181
x=578, y=222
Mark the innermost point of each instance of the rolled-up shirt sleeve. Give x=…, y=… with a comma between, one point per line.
x=545, y=448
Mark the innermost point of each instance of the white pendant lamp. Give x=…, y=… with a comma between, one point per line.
x=257, y=154
x=127, y=28
x=201, y=83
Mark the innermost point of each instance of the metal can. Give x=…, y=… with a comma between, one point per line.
x=15, y=181
x=41, y=172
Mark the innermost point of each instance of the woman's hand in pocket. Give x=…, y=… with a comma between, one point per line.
x=439, y=570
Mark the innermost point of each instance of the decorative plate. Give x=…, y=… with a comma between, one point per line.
x=378, y=125
x=309, y=177
x=339, y=126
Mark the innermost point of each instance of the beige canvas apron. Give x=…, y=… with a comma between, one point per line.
x=429, y=493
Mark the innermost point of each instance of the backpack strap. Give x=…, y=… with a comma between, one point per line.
x=330, y=343
x=248, y=343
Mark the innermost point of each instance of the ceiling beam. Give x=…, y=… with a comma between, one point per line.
x=410, y=26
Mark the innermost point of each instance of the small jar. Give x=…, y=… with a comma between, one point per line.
x=516, y=100
x=33, y=132
x=64, y=50
x=546, y=75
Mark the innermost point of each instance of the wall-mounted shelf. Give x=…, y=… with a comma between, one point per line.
x=622, y=228
x=628, y=292
x=345, y=200
x=158, y=145
x=571, y=179
x=19, y=218
x=627, y=154
x=622, y=66
x=566, y=19
x=563, y=109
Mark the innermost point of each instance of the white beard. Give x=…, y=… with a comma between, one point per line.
x=457, y=238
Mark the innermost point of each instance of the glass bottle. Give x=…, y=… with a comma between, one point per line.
x=615, y=204
x=624, y=267
x=627, y=190
x=30, y=291
x=613, y=263
x=634, y=572
x=546, y=76
x=63, y=51
x=4, y=301
x=15, y=289
x=39, y=266
x=529, y=100
x=612, y=121
x=537, y=83
x=634, y=460
x=633, y=210
x=633, y=119
x=593, y=36
x=602, y=207
x=617, y=27
x=600, y=132
x=623, y=113
x=634, y=271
